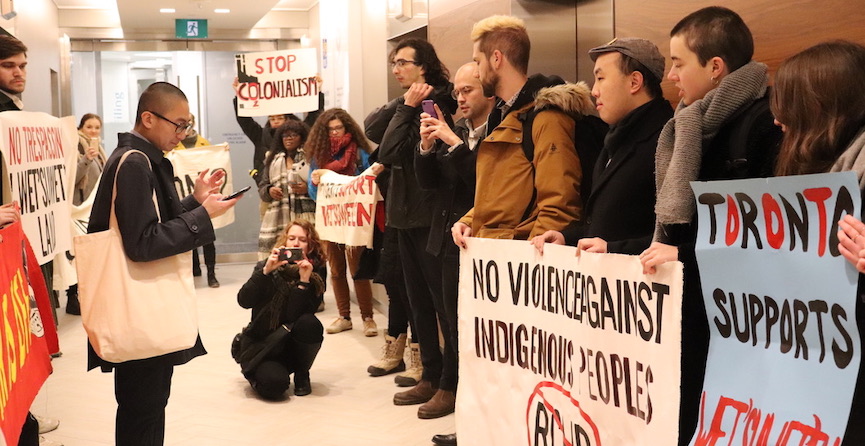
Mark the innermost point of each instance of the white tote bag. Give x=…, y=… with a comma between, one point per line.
x=133, y=310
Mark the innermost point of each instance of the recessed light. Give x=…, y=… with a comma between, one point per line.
x=222, y=11
x=167, y=10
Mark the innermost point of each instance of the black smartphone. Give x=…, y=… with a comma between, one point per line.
x=429, y=108
x=290, y=254
x=237, y=194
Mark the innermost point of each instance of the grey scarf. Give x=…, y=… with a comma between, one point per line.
x=680, y=145
x=853, y=159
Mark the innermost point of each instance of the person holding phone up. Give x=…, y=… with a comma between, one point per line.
x=284, y=335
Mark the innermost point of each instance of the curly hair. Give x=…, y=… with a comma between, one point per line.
x=277, y=146
x=318, y=144
x=314, y=251
x=436, y=73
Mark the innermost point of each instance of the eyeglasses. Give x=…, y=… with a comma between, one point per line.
x=338, y=128
x=290, y=135
x=402, y=62
x=465, y=91
x=181, y=129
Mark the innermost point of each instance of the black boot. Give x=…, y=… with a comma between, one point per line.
x=303, y=356
x=211, y=277
x=72, y=305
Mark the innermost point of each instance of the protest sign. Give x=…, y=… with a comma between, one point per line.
x=40, y=155
x=188, y=163
x=28, y=336
x=781, y=306
x=565, y=350
x=277, y=82
x=346, y=208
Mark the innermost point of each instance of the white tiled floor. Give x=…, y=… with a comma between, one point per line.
x=211, y=404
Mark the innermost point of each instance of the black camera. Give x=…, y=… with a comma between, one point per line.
x=290, y=254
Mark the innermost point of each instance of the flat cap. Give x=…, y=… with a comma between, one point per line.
x=641, y=50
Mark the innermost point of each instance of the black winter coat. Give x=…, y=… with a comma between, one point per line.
x=396, y=128
x=452, y=176
x=621, y=207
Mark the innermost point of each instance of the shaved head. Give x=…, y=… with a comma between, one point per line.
x=159, y=97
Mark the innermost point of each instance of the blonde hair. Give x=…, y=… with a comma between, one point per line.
x=507, y=34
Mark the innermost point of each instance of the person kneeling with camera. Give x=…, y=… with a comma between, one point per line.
x=284, y=336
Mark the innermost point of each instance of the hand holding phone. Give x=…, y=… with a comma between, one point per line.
x=292, y=255
x=429, y=108
x=236, y=194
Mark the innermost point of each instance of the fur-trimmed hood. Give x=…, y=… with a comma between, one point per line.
x=570, y=98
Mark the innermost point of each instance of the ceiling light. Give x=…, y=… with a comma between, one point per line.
x=222, y=11
x=167, y=10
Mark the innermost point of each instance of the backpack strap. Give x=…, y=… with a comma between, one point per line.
x=588, y=138
x=738, y=159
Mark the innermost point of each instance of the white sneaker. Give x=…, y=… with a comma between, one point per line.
x=46, y=424
x=370, y=329
x=339, y=325
x=44, y=441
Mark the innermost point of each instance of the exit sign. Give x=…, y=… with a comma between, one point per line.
x=190, y=28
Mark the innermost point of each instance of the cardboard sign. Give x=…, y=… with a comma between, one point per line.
x=781, y=305
x=40, y=154
x=565, y=350
x=277, y=82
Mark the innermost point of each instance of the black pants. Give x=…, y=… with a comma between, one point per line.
x=423, y=280
x=450, y=259
x=271, y=378
x=29, y=432
x=391, y=276
x=209, y=256
x=141, y=389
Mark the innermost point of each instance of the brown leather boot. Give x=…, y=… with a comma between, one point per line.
x=418, y=394
x=441, y=404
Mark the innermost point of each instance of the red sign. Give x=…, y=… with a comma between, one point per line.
x=28, y=333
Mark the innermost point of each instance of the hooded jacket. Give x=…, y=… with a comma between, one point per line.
x=516, y=198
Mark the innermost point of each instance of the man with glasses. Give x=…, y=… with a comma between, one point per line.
x=396, y=127
x=445, y=162
x=142, y=387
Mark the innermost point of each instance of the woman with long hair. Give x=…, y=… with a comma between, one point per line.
x=283, y=292
x=336, y=142
x=819, y=103
x=282, y=184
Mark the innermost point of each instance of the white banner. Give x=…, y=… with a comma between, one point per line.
x=345, y=208
x=277, y=82
x=188, y=163
x=781, y=305
x=565, y=350
x=40, y=154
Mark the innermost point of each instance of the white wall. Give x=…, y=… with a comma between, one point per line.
x=352, y=48
x=36, y=25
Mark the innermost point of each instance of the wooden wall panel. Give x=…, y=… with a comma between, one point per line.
x=780, y=28
x=450, y=27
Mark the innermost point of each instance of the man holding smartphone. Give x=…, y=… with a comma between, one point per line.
x=396, y=127
x=445, y=162
x=142, y=387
